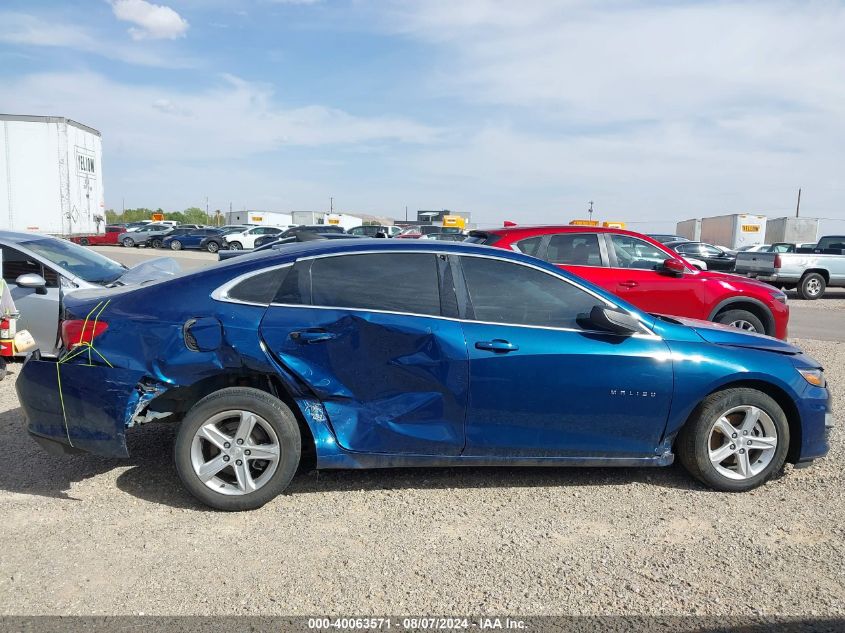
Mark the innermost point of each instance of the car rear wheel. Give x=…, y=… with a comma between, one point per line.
x=156, y=242
x=128, y=242
x=235, y=246
x=811, y=286
x=735, y=440
x=84, y=241
x=237, y=449
x=212, y=247
x=176, y=245
x=741, y=319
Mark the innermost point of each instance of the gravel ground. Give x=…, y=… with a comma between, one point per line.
x=84, y=535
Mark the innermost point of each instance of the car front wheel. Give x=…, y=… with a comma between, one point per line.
x=235, y=246
x=237, y=449
x=742, y=319
x=128, y=242
x=735, y=440
x=212, y=247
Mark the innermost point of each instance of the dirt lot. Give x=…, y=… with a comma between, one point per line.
x=84, y=535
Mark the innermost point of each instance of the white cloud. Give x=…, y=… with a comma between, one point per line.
x=155, y=21
x=663, y=110
x=33, y=30
x=233, y=119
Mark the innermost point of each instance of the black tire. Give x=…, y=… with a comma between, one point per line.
x=271, y=409
x=212, y=247
x=176, y=245
x=693, y=443
x=84, y=241
x=812, y=286
x=732, y=317
x=156, y=242
x=128, y=242
x=235, y=246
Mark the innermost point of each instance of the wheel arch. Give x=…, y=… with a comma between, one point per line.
x=776, y=393
x=752, y=305
x=821, y=271
x=179, y=400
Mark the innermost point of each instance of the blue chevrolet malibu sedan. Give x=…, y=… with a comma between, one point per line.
x=384, y=353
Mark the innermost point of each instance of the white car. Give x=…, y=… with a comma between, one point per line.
x=246, y=239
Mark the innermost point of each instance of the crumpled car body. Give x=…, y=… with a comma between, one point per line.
x=382, y=388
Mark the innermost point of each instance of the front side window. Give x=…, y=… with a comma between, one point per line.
x=574, y=249
x=16, y=264
x=396, y=282
x=510, y=293
x=632, y=252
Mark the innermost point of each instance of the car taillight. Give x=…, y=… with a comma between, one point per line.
x=777, y=261
x=79, y=332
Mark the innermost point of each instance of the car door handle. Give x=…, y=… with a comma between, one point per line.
x=497, y=345
x=312, y=336
x=628, y=284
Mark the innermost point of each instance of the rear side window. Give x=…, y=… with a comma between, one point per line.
x=575, y=249
x=260, y=288
x=510, y=293
x=398, y=282
x=530, y=246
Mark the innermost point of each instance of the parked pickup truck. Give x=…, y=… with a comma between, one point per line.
x=810, y=271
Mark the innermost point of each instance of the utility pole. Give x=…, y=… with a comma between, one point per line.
x=331, y=205
x=798, y=206
x=207, y=215
x=590, y=210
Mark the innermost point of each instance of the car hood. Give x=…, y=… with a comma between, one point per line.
x=719, y=334
x=150, y=270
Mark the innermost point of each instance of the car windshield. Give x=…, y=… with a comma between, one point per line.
x=78, y=260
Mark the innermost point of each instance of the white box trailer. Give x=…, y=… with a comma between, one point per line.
x=262, y=218
x=735, y=230
x=51, y=176
x=690, y=229
x=793, y=230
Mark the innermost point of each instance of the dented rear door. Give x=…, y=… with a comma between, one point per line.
x=391, y=374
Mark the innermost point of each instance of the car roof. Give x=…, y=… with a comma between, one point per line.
x=19, y=238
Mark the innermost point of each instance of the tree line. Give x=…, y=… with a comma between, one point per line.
x=191, y=215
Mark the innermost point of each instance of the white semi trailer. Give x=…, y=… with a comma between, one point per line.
x=735, y=230
x=51, y=176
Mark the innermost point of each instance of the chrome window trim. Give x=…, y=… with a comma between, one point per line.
x=221, y=293
x=646, y=333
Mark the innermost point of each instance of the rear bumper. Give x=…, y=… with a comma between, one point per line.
x=79, y=407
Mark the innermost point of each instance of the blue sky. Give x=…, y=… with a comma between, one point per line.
x=657, y=111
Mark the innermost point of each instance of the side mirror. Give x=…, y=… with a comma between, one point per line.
x=32, y=280
x=674, y=267
x=609, y=320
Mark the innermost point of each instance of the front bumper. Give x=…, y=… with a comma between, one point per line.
x=816, y=411
x=82, y=407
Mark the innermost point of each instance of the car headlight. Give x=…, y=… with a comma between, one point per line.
x=813, y=376
x=779, y=296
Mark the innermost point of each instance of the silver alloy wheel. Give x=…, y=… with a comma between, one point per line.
x=128, y=242
x=176, y=245
x=742, y=324
x=742, y=442
x=212, y=247
x=813, y=287
x=235, y=452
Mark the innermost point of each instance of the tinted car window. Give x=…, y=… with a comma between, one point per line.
x=16, y=264
x=506, y=292
x=710, y=251
x=632, y=252
x=530, y=246
x=399, y=282
x=576, y=249
x=260, y=288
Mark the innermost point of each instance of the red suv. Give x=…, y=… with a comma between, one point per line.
x=648, y=275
